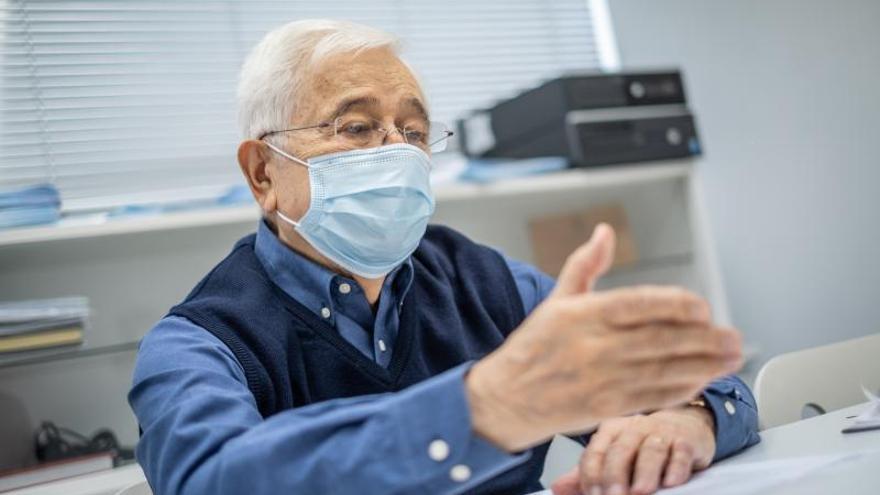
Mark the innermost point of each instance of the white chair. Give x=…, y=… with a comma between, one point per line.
x=823, y=379
x=139, y=488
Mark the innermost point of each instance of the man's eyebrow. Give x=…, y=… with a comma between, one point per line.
x=347, y=103
x=417, y=105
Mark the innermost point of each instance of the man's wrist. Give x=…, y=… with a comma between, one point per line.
x=703, y=422
x=491, y=416
x=701, y=409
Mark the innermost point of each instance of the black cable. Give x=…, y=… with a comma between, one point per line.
x=54, y=442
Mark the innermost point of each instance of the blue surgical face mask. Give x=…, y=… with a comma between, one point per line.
x=369, y=207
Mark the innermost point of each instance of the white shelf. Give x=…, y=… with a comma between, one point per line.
x=615, y=176
x=547, y=183
x=134, y=224
x=107, y=482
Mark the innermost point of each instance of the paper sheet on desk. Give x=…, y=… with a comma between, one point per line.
x=757, y=477
x=754, y=477
x=870, y=417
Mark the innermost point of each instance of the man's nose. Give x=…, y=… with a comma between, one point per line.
x=394, y=136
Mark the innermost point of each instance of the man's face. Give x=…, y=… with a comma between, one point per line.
x=373, y=85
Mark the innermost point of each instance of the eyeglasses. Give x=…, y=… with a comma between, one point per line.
x=358, y=132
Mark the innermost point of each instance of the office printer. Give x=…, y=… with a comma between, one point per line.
x=591, y=119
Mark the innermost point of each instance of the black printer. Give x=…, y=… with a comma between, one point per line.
x=591, y=118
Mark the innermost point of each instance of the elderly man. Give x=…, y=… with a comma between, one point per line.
x=348, y=347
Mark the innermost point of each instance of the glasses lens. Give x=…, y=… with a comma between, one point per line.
x=356, y=132
x=417, y=134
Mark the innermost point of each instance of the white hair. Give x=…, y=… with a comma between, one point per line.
x=273, y=73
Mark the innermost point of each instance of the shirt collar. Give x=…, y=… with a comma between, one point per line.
x=310, y=283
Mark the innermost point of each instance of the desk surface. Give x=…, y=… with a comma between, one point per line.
x=817, y=436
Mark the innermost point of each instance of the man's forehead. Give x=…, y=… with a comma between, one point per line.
x=369, y=99
x=368, y=79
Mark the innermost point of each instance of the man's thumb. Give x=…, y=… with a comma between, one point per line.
x=588, y=262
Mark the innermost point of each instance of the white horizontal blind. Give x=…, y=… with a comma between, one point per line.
x=131, y=101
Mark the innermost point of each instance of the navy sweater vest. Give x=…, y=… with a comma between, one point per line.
x=462, y=304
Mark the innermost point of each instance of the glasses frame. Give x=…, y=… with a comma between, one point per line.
x=447, y=133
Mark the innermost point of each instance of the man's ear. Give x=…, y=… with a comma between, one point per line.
x=254, y=162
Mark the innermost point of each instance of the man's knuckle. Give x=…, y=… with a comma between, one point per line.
x=654, y=446
x=596, y=449
x=609, y=427
x=613, y=452
x=685, y=449
x=563, y=311
x=640, y=422
x=619, y=453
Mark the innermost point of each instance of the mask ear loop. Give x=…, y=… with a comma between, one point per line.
x=286, y=219
x=286, y=154
x=290, y=157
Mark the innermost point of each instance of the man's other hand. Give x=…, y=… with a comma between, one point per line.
x=637, y=455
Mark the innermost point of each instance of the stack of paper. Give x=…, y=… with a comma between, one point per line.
x=870, y=417
x=29, y=205
x=42, y=323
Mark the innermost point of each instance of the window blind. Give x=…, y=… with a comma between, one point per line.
x=132, y=101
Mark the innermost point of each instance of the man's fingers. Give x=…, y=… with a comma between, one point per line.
x=651, y=459
x=667, y=341
x=593, y=457
x=631, y=306
x=567, y=484
x=684, y=372
x=619, y=460
x=587, y=263
x=681, y=464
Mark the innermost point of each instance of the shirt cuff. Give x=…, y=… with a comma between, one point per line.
x=736, y=416
x=446, y=454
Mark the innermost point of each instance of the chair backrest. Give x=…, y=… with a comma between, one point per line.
x=823, y=378
x=139, y=488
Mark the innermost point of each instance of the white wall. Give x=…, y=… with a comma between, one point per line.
x=788, y=103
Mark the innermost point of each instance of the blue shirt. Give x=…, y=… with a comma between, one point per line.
x=203, y=432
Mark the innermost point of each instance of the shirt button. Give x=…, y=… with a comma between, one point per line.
x=729, y=407
x=325, y=312
x=381, y=345
x=344, y=288
x=438, y=450
x=460, y=473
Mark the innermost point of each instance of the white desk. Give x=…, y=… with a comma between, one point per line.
x=817, y=436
